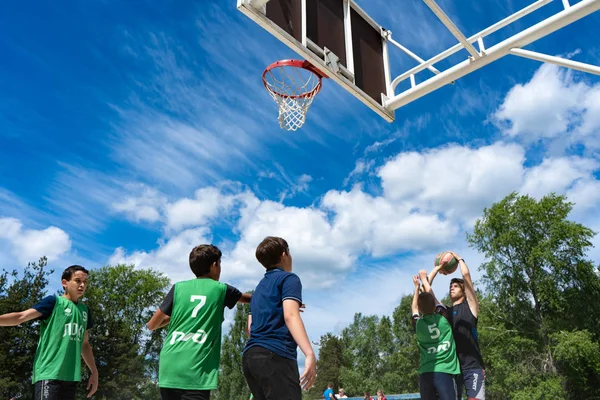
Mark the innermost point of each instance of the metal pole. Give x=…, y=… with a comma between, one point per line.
x=549, y=25
x=437, y=10
x=411, y=54
x=592, y=69
x=487, y=31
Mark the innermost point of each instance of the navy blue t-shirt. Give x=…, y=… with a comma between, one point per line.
x=268, y=327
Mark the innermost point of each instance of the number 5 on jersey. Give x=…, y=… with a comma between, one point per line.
x=202, y=301
x=434, y=331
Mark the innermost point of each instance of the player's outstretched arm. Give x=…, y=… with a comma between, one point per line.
x=469, y=287
x=291, y=314
x=433, y=273
x=17, y=318
x=245, y=298
x=158, y=320
x=426, y=286
x=88, y=356
x=415, y=304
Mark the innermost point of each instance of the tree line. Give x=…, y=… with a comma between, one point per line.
x=539, y=320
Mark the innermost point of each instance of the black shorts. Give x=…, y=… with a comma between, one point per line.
x=271, y=376
x=55, y=390
x=473, y=380
x=182, y=394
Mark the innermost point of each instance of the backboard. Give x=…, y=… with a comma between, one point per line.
x=342, y=41
x=337, y=37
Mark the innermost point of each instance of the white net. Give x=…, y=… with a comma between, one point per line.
x=293, y=88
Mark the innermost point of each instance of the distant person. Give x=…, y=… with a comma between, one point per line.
x=380, y=395
x=438, y=366
x=367, y=396
x=463, y=318
x=342, y=394
x=270, y=363
x=328, y=393
x=63, y=342
x=193, y=310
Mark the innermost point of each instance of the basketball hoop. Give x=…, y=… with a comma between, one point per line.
x=293, y=84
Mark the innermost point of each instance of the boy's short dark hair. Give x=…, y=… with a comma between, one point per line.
x=202, y=257
x=461, y=283
x=426, y=303
x=269, y=251
x=69, y=271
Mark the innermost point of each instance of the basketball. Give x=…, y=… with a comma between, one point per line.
x=449, y=259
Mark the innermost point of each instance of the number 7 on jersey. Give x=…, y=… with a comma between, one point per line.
x=202, y=300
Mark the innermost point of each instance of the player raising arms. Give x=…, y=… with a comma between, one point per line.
x=463, y=318
x=438, y=367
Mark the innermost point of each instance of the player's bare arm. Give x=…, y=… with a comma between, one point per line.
x=245, y=298
x=426, y=285
x=88, y=356
x=434, y=273
x=17, y=318
x=415, y=306
x=248, y=325
x=158, y=320
x=469, y=288
x=291, y=314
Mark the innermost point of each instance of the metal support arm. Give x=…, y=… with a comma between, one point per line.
x=549, y=25
x=563, y=62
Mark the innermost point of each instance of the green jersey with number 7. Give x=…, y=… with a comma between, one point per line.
x=436, y=344
x=192, y=349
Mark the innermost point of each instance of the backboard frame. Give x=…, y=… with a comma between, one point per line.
x=323, y=59
x=476, y=58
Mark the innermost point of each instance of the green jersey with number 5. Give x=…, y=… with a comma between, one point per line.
x=192, y=349
x=436, y=343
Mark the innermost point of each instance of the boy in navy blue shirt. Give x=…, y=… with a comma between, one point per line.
x=276, y=329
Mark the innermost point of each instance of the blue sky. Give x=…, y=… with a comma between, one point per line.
x=132, y=131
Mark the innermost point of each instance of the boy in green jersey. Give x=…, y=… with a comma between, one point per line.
x=65, y=322
x=439, y=365
x=191, y=354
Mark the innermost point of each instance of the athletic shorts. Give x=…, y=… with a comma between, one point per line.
x=271, y=376
x=55, y=390
x=182, y=394
x=473, y=380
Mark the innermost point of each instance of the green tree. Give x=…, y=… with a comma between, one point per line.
x=331, y=353
x=539, y=283
x=122, y=299
x=403, y=364
x=361, y=355
x=19, y=292
x=232, y=384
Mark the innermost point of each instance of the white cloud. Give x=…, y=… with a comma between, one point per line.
x=208, y=203
x=553, y=104
x=557, y=175
x=455, y=181
x=28, y=245
x=299, y=186
x=145, y=206
x=360, y=167
x=426, y=201
x=171, y=256
x=377, y=226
